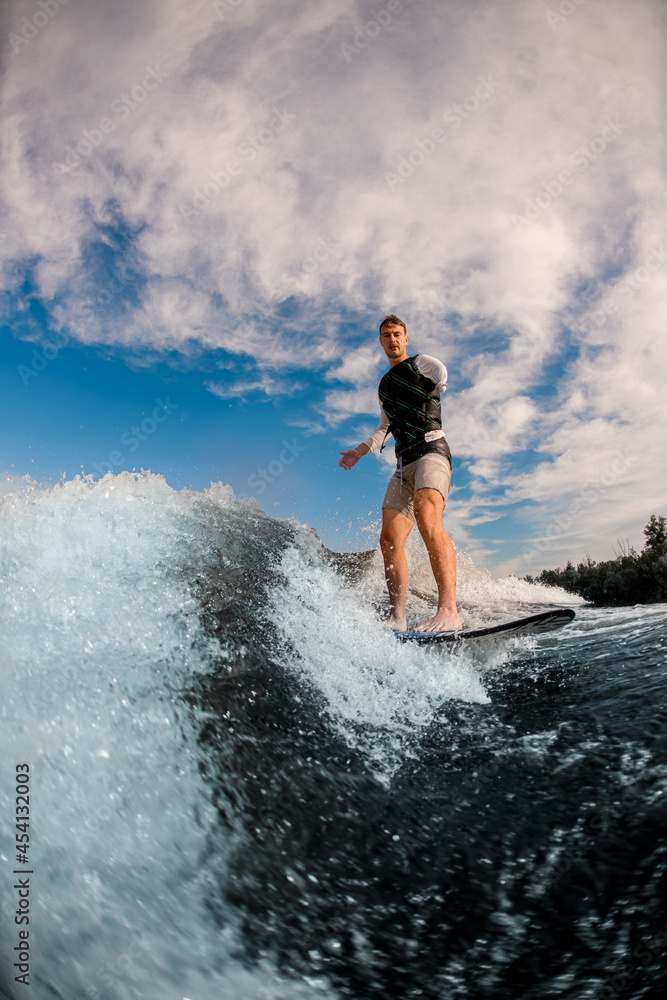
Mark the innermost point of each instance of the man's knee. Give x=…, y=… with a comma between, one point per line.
x=387, y=541
x=393, y=536
x=429, y=498
x=429, y=511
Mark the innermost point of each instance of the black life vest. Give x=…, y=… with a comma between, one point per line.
x=412, y=403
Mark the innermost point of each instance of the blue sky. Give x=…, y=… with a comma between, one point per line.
x=207, y=207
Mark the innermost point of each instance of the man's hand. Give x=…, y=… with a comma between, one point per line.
x=349, y=458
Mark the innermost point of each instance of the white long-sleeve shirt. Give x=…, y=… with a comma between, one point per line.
x=429, y=367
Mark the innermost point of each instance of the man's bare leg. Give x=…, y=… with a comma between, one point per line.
x=429, y=505
x=395, y=529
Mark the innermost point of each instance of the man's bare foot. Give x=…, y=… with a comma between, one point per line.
x=442, y=621
x=396, y=623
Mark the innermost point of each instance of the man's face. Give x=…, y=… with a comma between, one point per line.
x=394, y=340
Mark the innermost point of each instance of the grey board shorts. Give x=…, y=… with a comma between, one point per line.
x=431, y=471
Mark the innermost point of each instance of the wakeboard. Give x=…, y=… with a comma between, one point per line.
x=532, y=625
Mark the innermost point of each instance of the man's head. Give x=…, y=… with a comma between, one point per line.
x=394, y=339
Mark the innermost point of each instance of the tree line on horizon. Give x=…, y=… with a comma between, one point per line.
x=631, y=578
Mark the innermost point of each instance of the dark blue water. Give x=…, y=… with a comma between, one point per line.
x=244, y=787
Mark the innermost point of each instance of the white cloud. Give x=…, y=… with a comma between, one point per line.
x=241, y=390
x=518, y=101
x=339, y=404
x=357, y=364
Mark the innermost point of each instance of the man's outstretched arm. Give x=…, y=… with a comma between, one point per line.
x=377, y=438
x=350, y=457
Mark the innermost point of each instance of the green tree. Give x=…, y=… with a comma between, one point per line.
x=630, y=578
x=655, y=533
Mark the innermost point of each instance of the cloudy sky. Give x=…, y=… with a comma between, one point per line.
x=207, y=207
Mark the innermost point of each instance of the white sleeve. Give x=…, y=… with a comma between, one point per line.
x=433, y=369
x=380, y=433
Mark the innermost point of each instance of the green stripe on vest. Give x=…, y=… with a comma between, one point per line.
x=412, y=403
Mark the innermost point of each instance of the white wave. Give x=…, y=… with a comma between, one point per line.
x=481, y=597
x=99, y=640
x=365, y=674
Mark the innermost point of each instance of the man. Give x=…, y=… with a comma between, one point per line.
x=409, y=396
